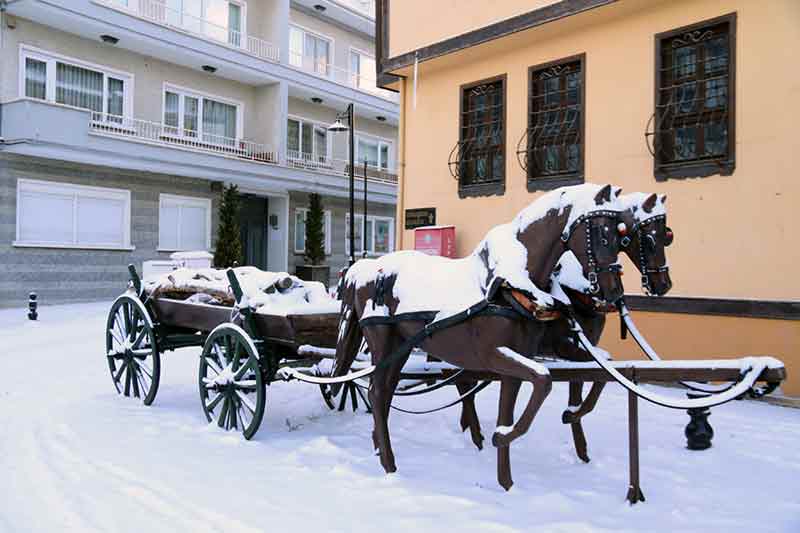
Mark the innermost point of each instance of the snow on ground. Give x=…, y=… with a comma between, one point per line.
x=74, y=456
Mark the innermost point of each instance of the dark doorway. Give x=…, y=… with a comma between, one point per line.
x=253, y=224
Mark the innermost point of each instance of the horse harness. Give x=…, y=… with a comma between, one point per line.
x=593, y=232
x=647, y=241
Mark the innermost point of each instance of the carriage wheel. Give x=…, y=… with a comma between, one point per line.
x=357, y=392
x=231, y=386
x=132, y=350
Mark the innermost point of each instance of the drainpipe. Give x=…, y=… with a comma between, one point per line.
x=401, y=169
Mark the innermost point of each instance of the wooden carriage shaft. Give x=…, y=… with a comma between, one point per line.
x=655, y=375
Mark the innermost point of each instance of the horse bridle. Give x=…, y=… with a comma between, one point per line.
x=640, y=229
x=594, y=268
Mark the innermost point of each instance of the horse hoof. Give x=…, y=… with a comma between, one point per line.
x=568, y=417
x=506, y=483
x=478, y=442
x=583, y=456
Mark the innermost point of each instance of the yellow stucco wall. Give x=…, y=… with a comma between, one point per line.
x=734, y=235
x=412, y=26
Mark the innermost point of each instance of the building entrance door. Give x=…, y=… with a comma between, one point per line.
x=253, y=227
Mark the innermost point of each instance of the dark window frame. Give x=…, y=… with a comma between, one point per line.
x=494, y=187
x=698, y=168
x=544, y=183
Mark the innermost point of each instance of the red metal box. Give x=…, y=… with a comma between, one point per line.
x=436, y=240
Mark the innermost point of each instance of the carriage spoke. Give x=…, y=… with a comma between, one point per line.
x=246, y=401
x=243, y=370
x=118, y=375
x=232, y=413
x=115, y=337
x=134, y=379
x=140, y=338
x=246, y=385
x=144, y=387
x=212, y=364
x=213, y=403
x=126, y=317
x=127, y=379
x=243, y=418
x=223, y=415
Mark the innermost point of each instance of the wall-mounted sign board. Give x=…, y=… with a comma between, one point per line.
x=423, y=216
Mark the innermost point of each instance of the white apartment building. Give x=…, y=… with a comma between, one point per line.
x=121, y=119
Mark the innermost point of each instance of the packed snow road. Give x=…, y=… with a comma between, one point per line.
x=75, y=456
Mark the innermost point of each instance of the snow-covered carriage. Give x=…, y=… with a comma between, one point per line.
x=252, y=334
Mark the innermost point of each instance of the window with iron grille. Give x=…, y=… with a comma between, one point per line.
x=481, y=162
x=554, y=143
x=694, y=115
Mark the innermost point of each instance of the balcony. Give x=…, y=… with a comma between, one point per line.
x=156, y=132
x=158, y=12
x=63, y=133
x=339, y=167
x=326, y=70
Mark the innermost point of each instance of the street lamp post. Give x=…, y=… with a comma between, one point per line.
x=336, y=127
x=364, y=230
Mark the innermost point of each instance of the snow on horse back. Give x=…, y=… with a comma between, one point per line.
x=523, y=252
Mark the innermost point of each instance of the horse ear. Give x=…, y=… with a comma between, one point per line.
x=617, y=191
x=663, y=198
x=603, y=196
x=650, y=203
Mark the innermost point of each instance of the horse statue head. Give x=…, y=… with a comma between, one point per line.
x=582, y=219
x=647, y=237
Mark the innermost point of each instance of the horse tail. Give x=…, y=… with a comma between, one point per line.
x=350, y=334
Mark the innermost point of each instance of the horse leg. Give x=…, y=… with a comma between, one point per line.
x=542, y=384
x=469, y=416
x=578, y=409
x=381, y=391
x=575, y=398
x=509, y=388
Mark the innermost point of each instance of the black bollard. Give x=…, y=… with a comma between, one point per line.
x=32, y=304
x=698, y=431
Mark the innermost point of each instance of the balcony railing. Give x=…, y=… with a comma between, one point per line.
x=156, y=132
x=365, y=7
x=341, y=167
x=157, y=11
x=325, y=69
x=171, y=136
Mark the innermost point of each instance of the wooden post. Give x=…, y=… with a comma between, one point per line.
x=634, y=491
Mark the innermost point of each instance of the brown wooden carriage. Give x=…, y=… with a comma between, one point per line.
x=242, y=349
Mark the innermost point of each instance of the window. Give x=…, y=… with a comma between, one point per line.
x=362, y=71
x=380, y=234
x=194, y=115
x=694, y=116
x=300, y=230
x=306, y=141
x=74, y=216
x=481, y=164
x=54, y=78
x=375, y=151
x=221, y=20
x=554, y=145
x=309, y=51
x=184, y=223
